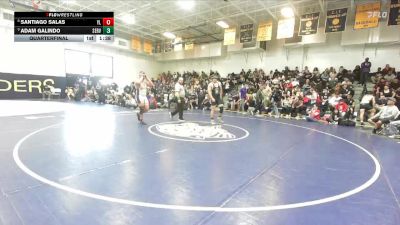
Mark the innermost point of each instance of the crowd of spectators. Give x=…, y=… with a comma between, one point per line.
x=325, y=96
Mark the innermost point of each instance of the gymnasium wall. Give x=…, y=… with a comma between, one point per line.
x=277, y=56
x=41, y=61
x=48, y=58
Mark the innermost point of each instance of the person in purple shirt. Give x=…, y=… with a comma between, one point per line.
x=365, y=69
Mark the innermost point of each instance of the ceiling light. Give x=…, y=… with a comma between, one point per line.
x=223, y=24
x=287, y=12
x=186, y=4
x=169, y=35
x=69, y=2
x=128, y=18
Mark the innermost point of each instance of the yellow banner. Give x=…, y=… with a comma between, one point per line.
x=264, y=32
x=230, y=36
x=367, y=15
x=136, y=44
x=189, y=46
x=148, y=47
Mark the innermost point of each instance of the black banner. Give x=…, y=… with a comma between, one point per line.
x=246, y=33
x=309, y=24
x=157, y=48
x=63, y=14
x=57, y=30
x=58, y=22
x=394, y=13
x=25, y=86
x=168, y=46
x=336, y=20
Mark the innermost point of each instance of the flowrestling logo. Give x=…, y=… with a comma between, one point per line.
x=198, y=131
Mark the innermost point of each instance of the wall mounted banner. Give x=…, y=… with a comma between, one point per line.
x=336, y=20
x=148, y=47
x=136, y=44
x=285, y=28
x=178, y=46
x=264, y=32
x=230, y=36
x=189, y=45
x=309, y=24
x=157, y=48
x=246, y=33
x=27, y=86
x=168, y=46
x=367, y=15
x=394, y=13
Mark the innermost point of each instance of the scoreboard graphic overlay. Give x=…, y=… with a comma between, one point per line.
x=63, y=26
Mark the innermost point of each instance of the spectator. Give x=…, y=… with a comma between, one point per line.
x=365, y=69
x=385, y=116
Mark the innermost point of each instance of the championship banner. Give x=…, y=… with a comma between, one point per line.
x=264, y=32
x=246, y=33
x=157, y=48
x=394, y=13
x=168, y=46
x=230, y=36
x=285, y=28
x=136, y=44
x=148, y=47
x=366, y=15
x=189, y=46
x=336, y=20
x=178, y=44
x=309, y=24
x=27, y=86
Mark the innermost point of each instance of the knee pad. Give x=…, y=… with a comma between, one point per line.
x=141, y=110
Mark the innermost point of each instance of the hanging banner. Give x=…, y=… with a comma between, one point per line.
x=394, y=13
x=189, y=45
x=264, y=32
x=336, y=20
x=285, y=28
x=246, y=33
x=157, y=48
x=309, y=24
x=230, y=36
x=168, y=46
x=136, y=44
x=367, y=15
x=178, y=46
x=148, y=47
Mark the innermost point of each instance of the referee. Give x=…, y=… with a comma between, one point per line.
x=180, y=97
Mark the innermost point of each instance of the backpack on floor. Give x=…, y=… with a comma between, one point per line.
x=390, y=130
x=346, y=122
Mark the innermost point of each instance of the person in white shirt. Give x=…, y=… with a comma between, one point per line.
x=385, y=116
x=215, y=95
x=180, y=97
x=141, y=95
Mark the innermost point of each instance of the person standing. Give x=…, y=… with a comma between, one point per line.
x=180, y=98
x=365, y=69
x=215, y=93
x=243, y=97
x=141, y=95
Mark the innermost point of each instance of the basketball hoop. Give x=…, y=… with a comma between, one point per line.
x=36, y=3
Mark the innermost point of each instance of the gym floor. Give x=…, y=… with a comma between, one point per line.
x=69, y=163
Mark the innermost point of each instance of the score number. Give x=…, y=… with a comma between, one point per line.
x=108, y=26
